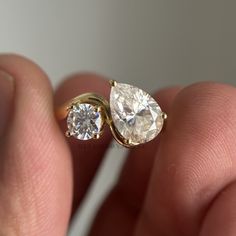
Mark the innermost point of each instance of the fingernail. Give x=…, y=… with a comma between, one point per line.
x=6, y=95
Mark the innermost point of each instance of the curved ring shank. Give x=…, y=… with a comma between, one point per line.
x=99, y=101
x=90, y=98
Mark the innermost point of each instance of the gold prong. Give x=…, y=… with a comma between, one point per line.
x=98, y=109
x=97, y=136
x=113, y=83
x=68, y=134
x=164, y=115
x=128, y=141
x=70, y=107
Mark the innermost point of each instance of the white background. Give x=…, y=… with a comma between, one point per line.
x=151, y=44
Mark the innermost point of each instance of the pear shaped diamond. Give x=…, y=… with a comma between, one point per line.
x=135, y=114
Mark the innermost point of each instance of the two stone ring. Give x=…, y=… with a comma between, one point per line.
x=133, y=115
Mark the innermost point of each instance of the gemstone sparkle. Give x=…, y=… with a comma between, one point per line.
x=135, y=114
x=84, y=121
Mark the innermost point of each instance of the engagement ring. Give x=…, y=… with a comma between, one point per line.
x=133, y=116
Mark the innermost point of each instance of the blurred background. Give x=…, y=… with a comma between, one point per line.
x=150, y=44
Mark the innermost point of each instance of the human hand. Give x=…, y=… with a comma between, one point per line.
x=180, y=184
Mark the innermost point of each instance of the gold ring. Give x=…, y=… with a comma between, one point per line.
x=133, y=116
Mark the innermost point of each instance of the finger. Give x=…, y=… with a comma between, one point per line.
x=140, y=159
x=35, y=169
x=123, y=205
x=6, y=93
x=87, y=155
x=195, y=160
x=221, y=216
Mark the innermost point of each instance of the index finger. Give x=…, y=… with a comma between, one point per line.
x=196, y=160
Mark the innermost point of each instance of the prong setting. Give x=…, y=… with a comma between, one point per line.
x=70, y=107
x=85, y=121
x=128, y=141
x=113, y=83
x=98, y=109
x=87, y=114
x=97, y=136
x=129, y=101
x=68, y=133
x=164, y=115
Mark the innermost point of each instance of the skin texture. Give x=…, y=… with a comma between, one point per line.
x=180, y=184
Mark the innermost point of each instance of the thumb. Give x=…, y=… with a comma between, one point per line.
x=35, y=164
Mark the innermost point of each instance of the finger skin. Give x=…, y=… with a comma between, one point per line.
x=221, y=216
x=35, y=169
x=122, y=207
x=196, y=160
x=6, y=93
x=86, y=155
x=138, y=166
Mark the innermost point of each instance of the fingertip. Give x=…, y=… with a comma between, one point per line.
x=166, y=96
x=206, y=92
x=24, y=70
x=32, y=95
x=208, y=108
x=196, y=156
x=35, y=163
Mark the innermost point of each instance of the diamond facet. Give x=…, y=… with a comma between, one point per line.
x=84, y=121
x=135, y=114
